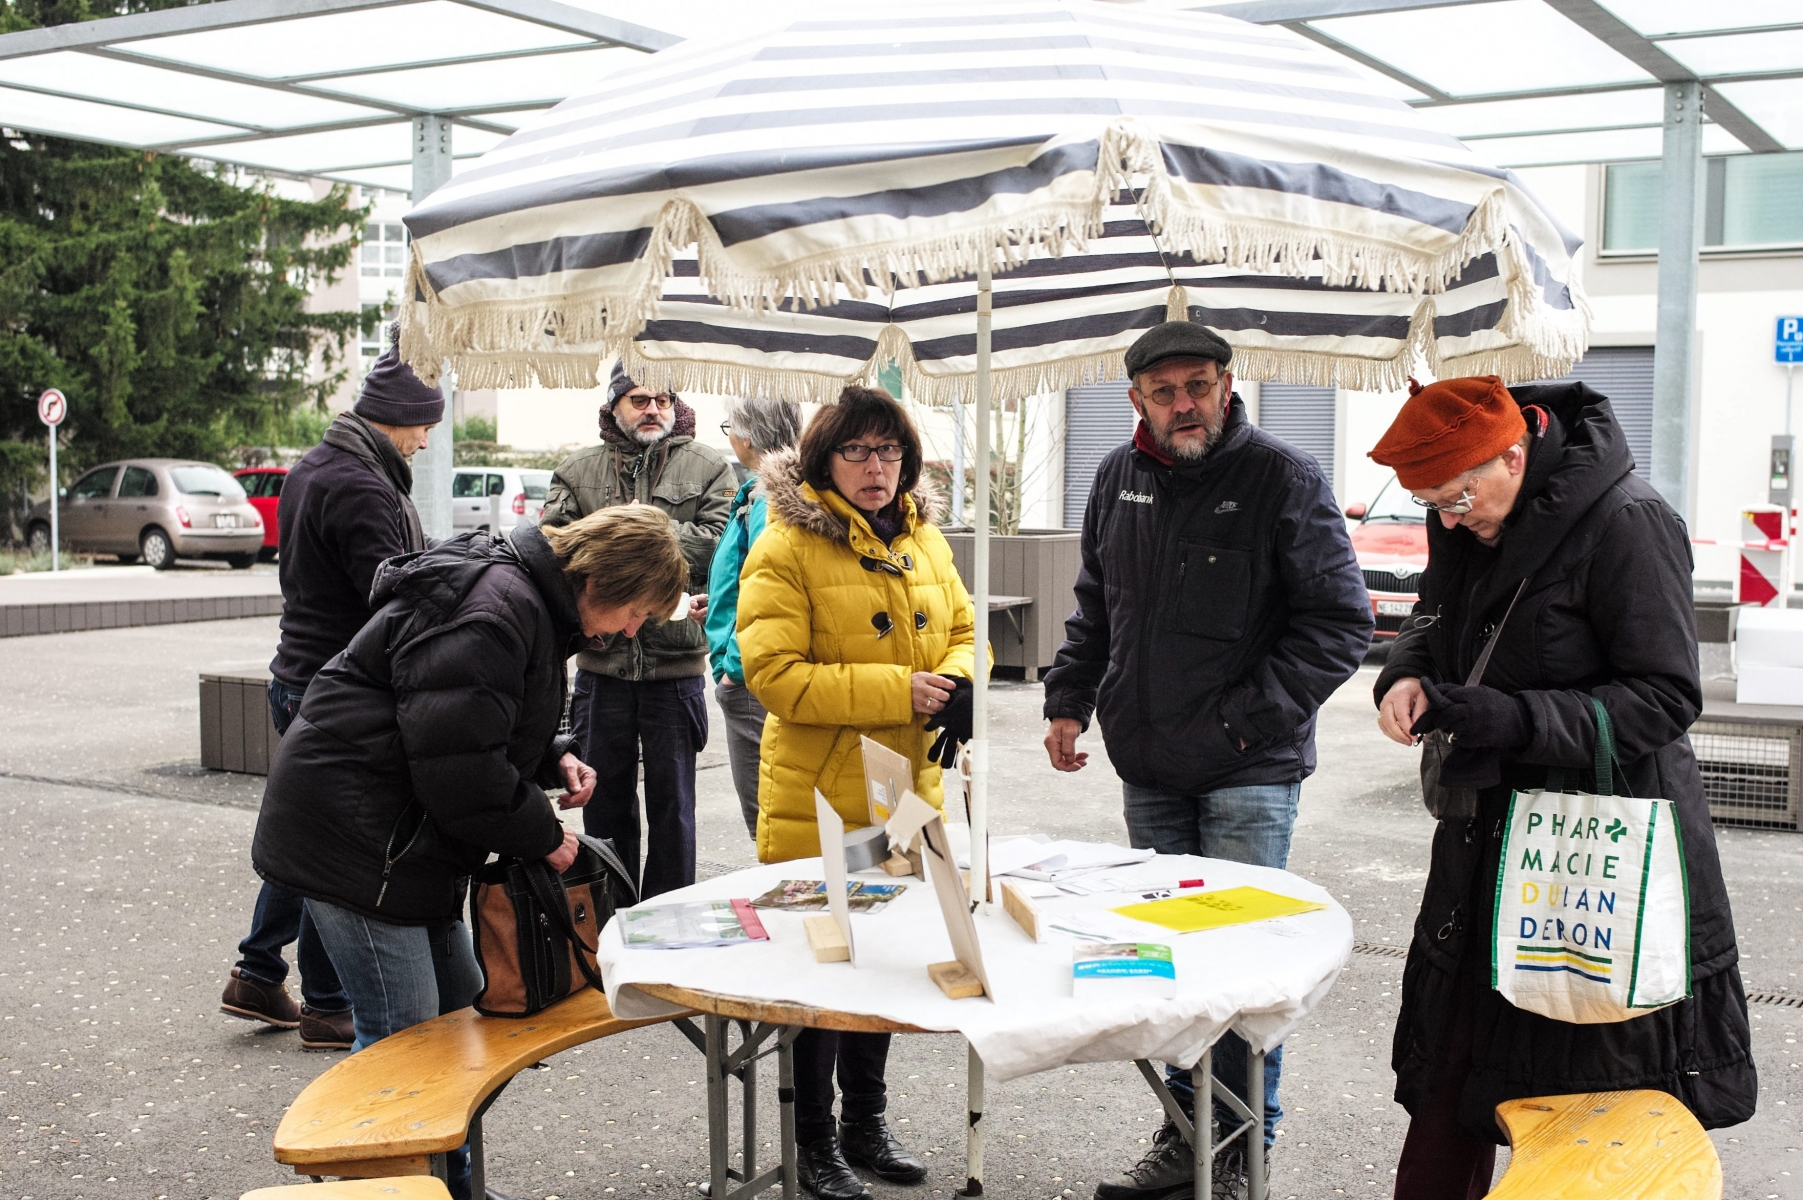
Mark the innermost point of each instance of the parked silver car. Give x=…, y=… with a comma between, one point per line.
x=159, y=509
x=496, y=498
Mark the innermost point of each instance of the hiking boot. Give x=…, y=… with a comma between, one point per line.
x=326, y=1031
x=871, y=1144
x=1167, y=1171
x=1229, y=1180
x=254, y=1000
x=822, y=1170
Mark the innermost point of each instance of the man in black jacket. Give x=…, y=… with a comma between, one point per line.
x=1219, y=604
x=345, y=507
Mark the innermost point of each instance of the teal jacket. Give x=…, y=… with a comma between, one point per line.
x=744, y=522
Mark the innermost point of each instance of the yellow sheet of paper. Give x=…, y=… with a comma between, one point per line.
x=1213, y=910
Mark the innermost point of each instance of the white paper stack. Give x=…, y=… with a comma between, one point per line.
x=1768, y=656
x=1058, y=860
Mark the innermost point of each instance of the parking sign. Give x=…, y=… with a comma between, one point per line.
x=1790, y=340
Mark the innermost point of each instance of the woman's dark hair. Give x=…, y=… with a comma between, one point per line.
x=860, y=411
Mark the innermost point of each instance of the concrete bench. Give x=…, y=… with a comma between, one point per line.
x=1606, y=1146
x=397, y=1107
x=410, y=1187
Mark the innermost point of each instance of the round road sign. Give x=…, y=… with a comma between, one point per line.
x=52, y=408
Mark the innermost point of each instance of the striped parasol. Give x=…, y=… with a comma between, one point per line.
x=788, y=212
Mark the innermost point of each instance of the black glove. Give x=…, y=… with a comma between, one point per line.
x=1478, y=717
x=953, y=723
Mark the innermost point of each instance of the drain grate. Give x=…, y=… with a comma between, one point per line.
x=1380, y=951
x=1777, y=999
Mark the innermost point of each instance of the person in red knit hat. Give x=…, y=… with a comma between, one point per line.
x=1549, y=548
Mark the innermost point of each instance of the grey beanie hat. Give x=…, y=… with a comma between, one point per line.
x=619, y=383
x=1176, y=339
x=393, y=394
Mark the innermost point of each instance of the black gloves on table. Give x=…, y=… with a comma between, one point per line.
x=1479, y=717
x=953, y=723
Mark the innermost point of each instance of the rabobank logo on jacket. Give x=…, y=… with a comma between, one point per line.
x=1136, y=497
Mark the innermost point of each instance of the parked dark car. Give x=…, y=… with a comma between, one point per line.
x=1391, y=543
x=263, y=485
x=157, y=509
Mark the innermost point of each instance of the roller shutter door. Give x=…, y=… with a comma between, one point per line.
x=1301, y=416
x=1625, y=375
x=1097, y=418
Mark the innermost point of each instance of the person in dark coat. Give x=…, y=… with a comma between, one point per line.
x=345, y=507
x=1536, y=484
x=1219, y=604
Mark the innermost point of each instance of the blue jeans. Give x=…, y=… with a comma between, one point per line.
x=398, y=976
x=665, y=720
x=1240, y=824
x=280, y=916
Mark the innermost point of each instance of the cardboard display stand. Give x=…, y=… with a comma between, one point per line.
x=887, y=775
x=830, y=935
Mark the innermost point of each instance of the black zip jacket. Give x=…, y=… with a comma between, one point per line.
x=1606, y=613
x=1219, y=603
x=428, y=743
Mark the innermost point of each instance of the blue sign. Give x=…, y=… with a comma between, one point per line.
x=1790, y=340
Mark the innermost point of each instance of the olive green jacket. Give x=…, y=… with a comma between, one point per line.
x=691, y=482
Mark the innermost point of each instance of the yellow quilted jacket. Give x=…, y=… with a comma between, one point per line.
x=809, y=598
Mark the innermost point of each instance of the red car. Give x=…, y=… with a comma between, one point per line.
x=1391, y=543
x=263, y=486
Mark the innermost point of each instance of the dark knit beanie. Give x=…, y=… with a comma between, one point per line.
x=1176, y=339
x=619, y=383
x=394, y=395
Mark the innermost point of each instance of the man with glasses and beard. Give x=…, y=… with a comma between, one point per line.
x=644, y=696
x=1219, y=604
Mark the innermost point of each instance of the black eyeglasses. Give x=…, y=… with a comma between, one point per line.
x=1196, y=389
x=726, y=428
x=664, y=401
x=855, y=452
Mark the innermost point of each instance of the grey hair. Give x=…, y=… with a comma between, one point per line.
x=767, y=424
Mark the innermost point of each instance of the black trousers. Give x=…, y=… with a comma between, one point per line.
x=616, y=721
x=860, y=1060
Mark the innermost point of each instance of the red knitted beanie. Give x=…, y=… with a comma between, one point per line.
x=1447, y=428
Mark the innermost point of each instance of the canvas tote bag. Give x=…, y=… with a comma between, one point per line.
x=1592, y=909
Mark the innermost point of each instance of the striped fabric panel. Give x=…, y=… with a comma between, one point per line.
x=798, y=206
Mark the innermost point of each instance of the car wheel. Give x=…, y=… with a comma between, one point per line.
x=241, y=562
x=158, y=550
x=37, y=539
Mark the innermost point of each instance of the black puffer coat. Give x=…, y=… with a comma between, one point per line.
x=1219, y=603
x=427, y=744
x=1607, y=613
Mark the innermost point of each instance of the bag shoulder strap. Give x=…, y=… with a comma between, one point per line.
x=1483, y=659
x=1608, y=765
x=548, y=890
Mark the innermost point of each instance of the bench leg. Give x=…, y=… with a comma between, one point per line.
x=748, y=1095
x=1256, y=1184
x=478, y=1167
x=785, y=1103
x=716, y=1105
x=973, y=1133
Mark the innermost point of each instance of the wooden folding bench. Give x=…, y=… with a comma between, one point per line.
x=405, y=1187
x=1606, y=1146
x=397, y=1107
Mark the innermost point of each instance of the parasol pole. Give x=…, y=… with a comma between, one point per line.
x=979, y=719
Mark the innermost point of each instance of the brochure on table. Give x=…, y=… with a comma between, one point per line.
x=1260, y=979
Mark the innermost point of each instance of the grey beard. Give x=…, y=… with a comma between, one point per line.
x=631, y=429
x=1189, y=452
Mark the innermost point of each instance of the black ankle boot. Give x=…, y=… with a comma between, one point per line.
x=869, y=1143
x=821, y=1169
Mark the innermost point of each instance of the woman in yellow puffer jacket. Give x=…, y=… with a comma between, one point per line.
x=852, y=621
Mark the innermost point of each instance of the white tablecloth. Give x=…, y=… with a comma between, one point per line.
x=1259, y=979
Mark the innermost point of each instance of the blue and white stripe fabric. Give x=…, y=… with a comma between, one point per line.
x=788, y=212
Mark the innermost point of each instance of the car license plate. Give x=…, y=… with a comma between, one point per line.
x=1395, y=608
x=225, y=520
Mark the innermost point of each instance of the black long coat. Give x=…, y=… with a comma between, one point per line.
x=1607, y=613
x=427, y=744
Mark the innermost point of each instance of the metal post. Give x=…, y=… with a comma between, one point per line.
x=56, y=501
x=1681, y=180
x=979, y=724
x=432, y=466
x=785, y=1103
x=478, y=1161
x=716, y=1105
x=748, y=1092
x=957, y=464
x=1255, y=1136
x=973, y=1143
x=1202, y=1141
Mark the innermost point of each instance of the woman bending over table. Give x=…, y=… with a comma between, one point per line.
x=426, y=746
x=852, y=621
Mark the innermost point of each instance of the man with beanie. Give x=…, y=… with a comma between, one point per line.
x=644, y=696
x=1218, y=605
x=1545, y=546
x=346, y=506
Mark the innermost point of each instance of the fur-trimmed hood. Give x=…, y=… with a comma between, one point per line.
x=794, y=502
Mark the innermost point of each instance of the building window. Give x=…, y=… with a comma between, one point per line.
x=384, y=250
x=375, y=334
x=1750, y=201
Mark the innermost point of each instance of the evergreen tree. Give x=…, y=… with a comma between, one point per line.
x=165, y=297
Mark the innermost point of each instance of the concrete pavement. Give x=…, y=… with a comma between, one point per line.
x=125, y=884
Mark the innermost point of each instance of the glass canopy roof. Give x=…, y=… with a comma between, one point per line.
x=328, y=87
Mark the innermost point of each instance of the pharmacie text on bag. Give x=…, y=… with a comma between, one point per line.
x=1574, y=900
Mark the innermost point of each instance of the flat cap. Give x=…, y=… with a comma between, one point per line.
x=1176, y=339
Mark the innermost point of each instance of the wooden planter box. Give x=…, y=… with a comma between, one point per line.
x=236, y=732
x=1037, y=563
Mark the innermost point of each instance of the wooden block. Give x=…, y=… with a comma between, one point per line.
x=374, y=1168
x=956, y=980
x=1017, y=904
x=825, y=939
x=393, y=1187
